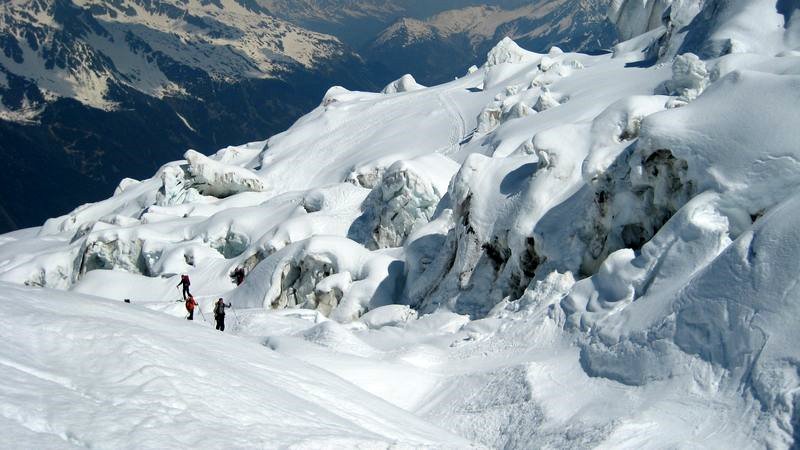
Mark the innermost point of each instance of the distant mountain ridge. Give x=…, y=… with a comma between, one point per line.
x=92, y=91
x=80, y=49
x=453, y=37
x=357, y=22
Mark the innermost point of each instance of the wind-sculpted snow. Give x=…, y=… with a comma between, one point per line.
x=616, y=236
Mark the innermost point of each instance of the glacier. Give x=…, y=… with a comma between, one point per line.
x=553, y=250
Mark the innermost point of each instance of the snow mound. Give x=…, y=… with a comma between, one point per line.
x=334, y=336
x=389, y=316
x=338, y=196
x=406, y=83
x=334, y=94
x=125, y=184
x=548, y=100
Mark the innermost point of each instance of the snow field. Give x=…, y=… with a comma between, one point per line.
x=555, y=250
x=83, y=371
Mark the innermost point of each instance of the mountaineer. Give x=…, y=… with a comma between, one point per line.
x=190, y=304
x=185, y=283
x=219, y=314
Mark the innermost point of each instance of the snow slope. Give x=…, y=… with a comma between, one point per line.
x=84, y=372
x=554, y=250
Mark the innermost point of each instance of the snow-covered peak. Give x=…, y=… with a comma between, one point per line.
x=407, y=31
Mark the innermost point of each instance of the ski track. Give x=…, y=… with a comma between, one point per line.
x=458, y=131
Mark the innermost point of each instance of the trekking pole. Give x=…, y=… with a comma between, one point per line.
x=238, y=322
x=201, y=313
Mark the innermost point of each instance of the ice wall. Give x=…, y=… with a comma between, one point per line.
x=709, y=28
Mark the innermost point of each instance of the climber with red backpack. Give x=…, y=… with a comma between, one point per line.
x=185, y=283
x=190, y=305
